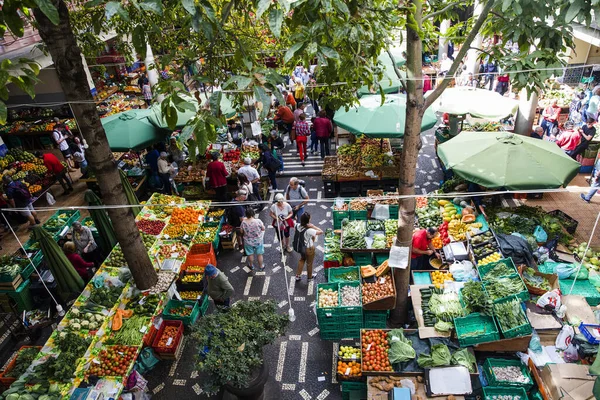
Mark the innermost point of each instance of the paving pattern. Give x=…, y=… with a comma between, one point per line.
x=300, y=363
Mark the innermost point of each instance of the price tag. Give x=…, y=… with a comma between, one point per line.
x=395, y=339
x=96, y=361
x=328, y=315
x=353, y=356
x=381, y=281
x=121, y=353
x=173, y=247
x=348, y=370
x=369, y=346
x=185, y=236
x=174, y=255
x=169, y=341
x=144, y=329
x=142, y=301
x=172, y=202
x=166, y=236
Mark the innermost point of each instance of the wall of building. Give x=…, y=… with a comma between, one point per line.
x=46, y=91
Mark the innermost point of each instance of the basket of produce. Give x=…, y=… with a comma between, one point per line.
x=343, y=274
x=473, y=297
x=353, y=235
x=505, y=286
x=191, y=294
x=130, y=331
x=497, y=269
x=504, y=393
x=18, y=363
x=350, y=300
x=169, y=249
x=328, y=301
x=511, y=317
x=150, y=227
x=438, y=278
x=183, y=232
x=55, y=224
x=503, y=372
x=358, y=209
x=429, y=216
x=89, y=222
x=206, y=234
x=69, y=215
x=536, y=282
x=482, y=239
x=185, y=311
x=116, y=361
x=378, y=289
x=375, y=347
x=190, y=281
x=439, y=309
x=568, y=222
x=168, y=338
x=476, y=328
x=11, y=266
x=340, y=212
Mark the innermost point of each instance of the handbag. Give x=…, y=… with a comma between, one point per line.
x=291, y=223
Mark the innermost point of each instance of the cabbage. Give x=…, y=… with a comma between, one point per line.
x=401, y=348
x=440, y=357
x=466, y=358
x=13, y=396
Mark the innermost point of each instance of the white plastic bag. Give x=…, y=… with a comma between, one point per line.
x=564, y=338
x=462, y=271
x=550, y=300
x=50, y=199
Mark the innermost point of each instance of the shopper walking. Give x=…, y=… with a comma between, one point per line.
x=299, y=111
x=253, y=230
x=586, y=133
x=305, y=240
x=55, y=167
x=595, y=185
x=18, y=196
x=277, y=147
x=281, y=213
x=591, y=111
x=217, y=177
x=83, y=268
x=323, y=129
x=314, y=141
x=85, y=243
x=78, y=152
x=219, y=289
x=236, y=215
x=550, y=117
x=297, y=195
x=164, y=172
x=302, y=134
x=147, y=92
x=299, y=92
x=60, y=138
x=271, y=164
x=253, y=176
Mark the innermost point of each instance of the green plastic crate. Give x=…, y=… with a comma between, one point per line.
x=501, y=362
x=187, y=321
x=358, y=390
x=328, y=333
x=204, y=304
x=375, y=319
x=28, y=269
x=582, y=287
x=337, y=274
x=476, y=328
x=92, y=227
x=485, y=269
x=523, y=294
x=351, y=330
x=394, y=211
x=422, y=278
x=53, y=229
x=381, y=257
x=22, y=296
x=338, y=217
x=358, y=215
x=324, y=313
x=72, y=215
x=522, y=330
x=491, y=393
x=361, y=259
x=351, y=313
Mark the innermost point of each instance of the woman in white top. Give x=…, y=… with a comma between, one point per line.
x=309, y=233
x=282, y=213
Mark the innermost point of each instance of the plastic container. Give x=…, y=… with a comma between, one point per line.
x=351, y=314
x=375, y=319
x=358, y=215
x=187, y=321
x=582, y=287
x=172, y=347
x=21, y=296
x=361, y=259
x=203, y=301
x=381, y=257
x=500, y=362
x=491, y=393
x=586, y=329
x=476, y=328
x=338, y=217
x=485, y=269
x=202, y=250
x=337, y=274
x=354, y=390
x=523, y=295
x=331, y=264
x=324, y=313
x=522, y=330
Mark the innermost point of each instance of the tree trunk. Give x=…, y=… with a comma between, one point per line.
x=62, y=46
x=408, y=162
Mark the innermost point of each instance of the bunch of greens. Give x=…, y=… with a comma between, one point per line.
x=332, y=248
x=446, y=306
x=131, y=333
x=505, y=286
x=24, y=359
x=466, y=358
x=510, y=314
x=536, y=280
x=106, y=296
x=443, y=326
x=439, y=357
x=499, y=270
x=475, y=298
x=401, y=348
x=354, y=235
x=379, y=241
x=376, y=225
x=450, y=185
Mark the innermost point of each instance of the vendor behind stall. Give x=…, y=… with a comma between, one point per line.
x=422, y=248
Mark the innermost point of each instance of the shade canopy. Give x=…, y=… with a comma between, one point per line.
x=477, y=102
x=131, y=130
x=132, y=199
x=106, y=233
x=379, y=121
x=503, y=160
x=390, y=82
x=64, y=273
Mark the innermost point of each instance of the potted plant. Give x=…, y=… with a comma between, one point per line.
x=230, y=347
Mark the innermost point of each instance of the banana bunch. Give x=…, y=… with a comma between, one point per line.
x=457, y=229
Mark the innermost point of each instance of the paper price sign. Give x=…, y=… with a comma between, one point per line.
x=381, y=281
x=169, y=341
x=369, y=346
x=143, y=329
x=348, y=370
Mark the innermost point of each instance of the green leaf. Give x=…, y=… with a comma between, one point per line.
x=275, y=21
x=341, y=7
x=215, y=102
x=112, y=8
x=12, y=19
x=3, y=113
x=3, y=77
x=263, y=6
x=226, y=11
x=170, y=115
x=138, y=38
x=289, y=54
x=243, y=81
x=154, y=6
x=330, y=53
x=261, y=95
x=505, y=5
x=572, y=12
x=25, y=84
x=93, y=3
x=49, y=10
x=189, y=6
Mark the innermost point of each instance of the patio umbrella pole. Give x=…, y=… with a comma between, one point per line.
x=586, y=249
x=59, y=308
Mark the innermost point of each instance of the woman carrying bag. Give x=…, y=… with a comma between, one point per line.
x=282, y=214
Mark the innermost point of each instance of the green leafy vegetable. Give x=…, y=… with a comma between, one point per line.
x=401, y=348
x=466, y=358
x=505, y=286
x=443, y=326
x=536, y=280
x=475, y=298
x=439, y=357
x=510, y=314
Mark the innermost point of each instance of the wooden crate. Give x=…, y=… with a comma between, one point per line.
x=387, y=303
x=16, y=282
x=229, y=244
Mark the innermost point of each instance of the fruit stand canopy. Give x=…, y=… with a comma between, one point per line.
x=477, y=102
x=375, y=120
x=131, y=130
x=500, y=160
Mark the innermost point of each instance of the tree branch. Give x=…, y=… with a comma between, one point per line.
x=443, y=10
x=396, y=70
x=481, y=50
x=461, y=54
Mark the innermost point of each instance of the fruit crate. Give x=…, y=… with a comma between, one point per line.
x=21, y=296
x=330, y=333
x=71, y=216
x=586, y=330
x=492, y=393
x=28, y=269
x=362, y=259
x=522, y=330
x=354, y=390
x=338, y=217
x=337, y=274
x=501, y=362
x=325, y=313
x=330, y=264
x=358, y=215
x=381, y=257
x=582, y=287
x=188, y=304
x=523, y=295
x=375, y=319
x=7, y=380
x=476, y=328
x=172, y=348
x=485, y=269
x=89, y=219
x=421, y=278
x=203, y=301
x=351, y=330
x=351, y=314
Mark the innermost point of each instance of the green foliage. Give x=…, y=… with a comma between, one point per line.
x=231, y=343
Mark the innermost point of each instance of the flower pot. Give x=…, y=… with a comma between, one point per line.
x=256, y=386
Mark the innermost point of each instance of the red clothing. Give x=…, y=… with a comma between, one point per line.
x=426, y=83
x=301, y=144
x=568, y=140
x=503, y=78
x=419, y=241
x=80, y=265
x=53, y=164
x=290, y=100
x=323, y=127
x=216, y=173
x=285, y=114
x=551, y=113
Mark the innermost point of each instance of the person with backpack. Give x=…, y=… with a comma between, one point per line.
x=19, y=197
x=305, y=240
x=296, y=194
x=270, y=163
x=282, y=213
x=236, y=214
x=253, y=231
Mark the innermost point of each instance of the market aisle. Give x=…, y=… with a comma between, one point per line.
x=292, y=165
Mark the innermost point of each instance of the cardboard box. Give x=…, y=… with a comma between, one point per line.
x=578, y=310
x=567, y=381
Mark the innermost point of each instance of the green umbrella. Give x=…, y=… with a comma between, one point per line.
x=389, y=83
x=131, y=130
x=503, y=160
x=129, y=192
x=64, y=273
x=102, y=222
x=379, y=121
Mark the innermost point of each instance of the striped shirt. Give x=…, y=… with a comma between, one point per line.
x=302, y=128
